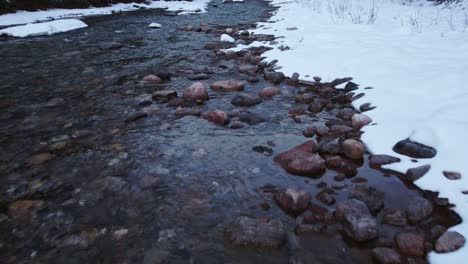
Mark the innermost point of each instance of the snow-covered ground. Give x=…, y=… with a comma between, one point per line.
x=23, y=17
x=44, y=28
x=414, y=54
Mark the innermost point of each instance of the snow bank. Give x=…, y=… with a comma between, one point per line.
x=23, y=17
x=45, y=28
x=415, y=55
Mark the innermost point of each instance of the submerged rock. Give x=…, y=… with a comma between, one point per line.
x=302, y=160
x=251, y=118
x=218, y=117
x=245, y=231
x=372, y=197
x=292, y=200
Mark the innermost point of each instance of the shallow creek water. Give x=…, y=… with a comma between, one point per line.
x=160, y=189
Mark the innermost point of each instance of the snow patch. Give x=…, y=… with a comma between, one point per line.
x=155, y=25
x=414, y=54
x=227, y=38
x=45, y=28
x=23, y=17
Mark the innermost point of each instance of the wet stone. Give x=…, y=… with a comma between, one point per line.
x=360, y=120
x=415, y=173
x=267, y=151
x=418, y=209
x=228, y=86
x=152, y=79
x=236, y=125
x=386, y=256
x=372, y=197
x=164, y=96
x=449, y=242
x=274, y=77
x=110, y=45
x=198, y=77
x=353, y=149
x=356, y=219
x=333, y=162
x=136, y=116
x=269, y=92
x=329, y=147
x=395, y=218
x=217, y=117
x=326, y=197
x=251, y=118
x=437, y=231
x=410, y=244
x=196, y=92
x=304, y=98
x=252, y=79
x=246, y=100
x=377, y=161
x=40, y=158
x=293, y=200
x=414, y=150
x=248, y=232
x=317, y=213
x=302, y=160
x=309, y=131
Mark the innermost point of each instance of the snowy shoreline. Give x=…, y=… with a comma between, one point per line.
x=415, y=55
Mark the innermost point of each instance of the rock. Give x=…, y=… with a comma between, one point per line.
x=339, y=81
x=452, y=175
x=155, y=25
x=198, y=77
x=436, y=232
x=304, y=98
x=317, y=79
x=144, y=99
x=322, y=130
x=236, y=125
x=228, y=86
x=376, y=161
x=110, y=45
x=418, y=209
x=410, y=244
x=292, y=200
x=366, y=107
x=309, y=131
x=24, y=209
x=212, y=45
x=152, y=79
x=251, y=118
x=40, y=158
x=218, y=117
x=310, y=228
x=318, y=214
x=248, y=69
x=333, y=162
x=449, y=241
x=348, y=169
x=414, y=150
x=196, y=92
x=227, y=38
x=346, y=113
x=248, y=232
x=351, y=206
x=340, y=129
x=181, y=112
x=372, y=197
x=136, y=116
x=350, y=86
x=274, y=77
x=253, y=80
x=329, y=147
x=263, y=149
x=353, y=149
x=269, y=92
x=339, y=185
x=360, y=120
x=415, y=173
x=386, y=256
x=246, y=100
x=395, y=218
x=326, y=196
x=302, y=160
x=360, y=227
x=164, y=96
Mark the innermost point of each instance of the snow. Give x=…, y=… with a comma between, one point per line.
x=227, y=38
x=155, y=25
x=45, y=28
x=23, y=17
x=414, y=54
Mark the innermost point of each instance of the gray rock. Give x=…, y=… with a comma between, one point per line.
x=360, y=227
x=376, y=161
x=196, y=92
x=410, y=244
x=414, y=149
x=415, y=173
x=386, y=256
x=395, y=218
x=449, y=241
x=251, y=118
x=246, y=100
x=452, y=175
x=418, y=209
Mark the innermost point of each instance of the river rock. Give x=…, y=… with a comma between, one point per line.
x=360, y=227
x=218, y=117
x=414, y=150
x=452, y=175
x=329, y=147
x=449, y=241
x=309, y=131
x=248, y=232
x=196, y=92
x=302, y=160
x=110, y=45
x=413, y=174
x=181, y=112
x=353, y=149
x=326, y=196
x=292, y=200
x=246, y=100
x=304, y=98
x=198, y=77
x=274, y=77
x=372, y=197
x=418, y=209
x=376, y=161
x=386, y=256
x=228, y=86
x=351, y=206
x=333, y=162
x=395, y=218
x=317, y=213
x=152, y=79
x=251, y=118
x=410, y=244
x=164, y=96
x=269, y=92
x=360, y=120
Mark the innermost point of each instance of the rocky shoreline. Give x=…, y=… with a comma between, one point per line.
x=211, y=156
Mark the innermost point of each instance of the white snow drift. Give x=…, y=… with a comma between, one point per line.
x=45, y=28
x=414, y=54
x=23, y=17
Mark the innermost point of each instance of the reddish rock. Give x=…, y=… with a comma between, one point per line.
x=218, y=117
x=386, y=256
x=292, y=200
x=333, y=162
x=196, y=92
x=152, y=79
x=395, y=218
x=360, y=120
x=449, y=241
x=269, y=92
x=317, y=213
x=181, y=112
x=353, y=149
x=309, y=131
x=304, y=98
x=40, y=158
x=302, y=160
x=377, y=161
x=418, y=209
x=410, y=244
x=228, y=86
